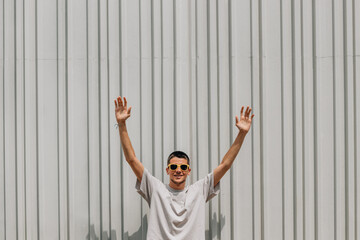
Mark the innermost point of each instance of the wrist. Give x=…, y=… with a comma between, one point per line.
x=121, y=123
x=242, y=132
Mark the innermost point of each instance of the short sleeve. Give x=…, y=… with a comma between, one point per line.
x=146, y=187
x=208, y=187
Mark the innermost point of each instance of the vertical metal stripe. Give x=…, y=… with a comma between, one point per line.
x=24, y=125
x=140, y=78
x=282, y=121
x=162, y=89
x=174, y=73
x=218, y=230
x=87, y=113
x=141, y=115
x=355, y=116
x=152, y=85
x=314, y=58
x=100, y=122
x=208, y=52
x=15, y=103
x=261, y=120
x=230, y=117
x=208, y=87
x=334, y=115
x=121, y=152
x=57, y=113
x=252, y=132
x=294, y=110
x=108, y=110
x=67, y=119
x=57, y=117
x=37, y=116
x=4, y=150
x=218, y=105
x=152, y=88
x=196, y=89
x=303, y=118
x=346, y=129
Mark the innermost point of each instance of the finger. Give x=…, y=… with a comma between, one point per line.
x=252, y=116
x=115, y=103
x=242, y=110
x=247, y=111
x=236, y=119
x=120, y=102
x=129, y=110
x=125, y=101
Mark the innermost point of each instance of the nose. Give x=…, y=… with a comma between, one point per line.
x=178, y=169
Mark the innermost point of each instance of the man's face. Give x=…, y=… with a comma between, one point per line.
x=178, y=176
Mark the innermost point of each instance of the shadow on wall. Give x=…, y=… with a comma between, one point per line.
x=140, y=232
x=215, y=224
x=92, y=235
x=135, y=236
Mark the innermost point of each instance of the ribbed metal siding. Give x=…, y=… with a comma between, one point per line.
x=186, y=68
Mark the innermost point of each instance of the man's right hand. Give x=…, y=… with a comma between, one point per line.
x=121, y=111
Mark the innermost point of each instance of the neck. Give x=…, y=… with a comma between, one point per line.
x=177, y=186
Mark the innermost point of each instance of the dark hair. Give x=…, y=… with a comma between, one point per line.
x=178, y=154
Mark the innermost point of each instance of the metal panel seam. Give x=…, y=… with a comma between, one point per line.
x=355, y=117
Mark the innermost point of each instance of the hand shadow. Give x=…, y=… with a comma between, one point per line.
x=140, y=233
x=216, y=226
x=92, y=235
x=135, y=236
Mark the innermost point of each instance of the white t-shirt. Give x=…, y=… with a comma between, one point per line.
x=176, y=214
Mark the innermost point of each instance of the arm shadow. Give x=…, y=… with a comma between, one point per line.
x=217, y=225
x=135, y=236
x=142, y=230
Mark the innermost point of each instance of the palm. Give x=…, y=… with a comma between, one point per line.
x=122, y=112
x=245, y=120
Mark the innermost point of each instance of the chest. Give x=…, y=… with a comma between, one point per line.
x=179, y=203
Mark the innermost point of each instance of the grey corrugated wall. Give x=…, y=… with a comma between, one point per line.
x=186, y=67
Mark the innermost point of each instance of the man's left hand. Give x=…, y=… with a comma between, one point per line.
x=245, y=121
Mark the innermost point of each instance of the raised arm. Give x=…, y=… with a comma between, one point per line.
x=122, y=113
x=244, y=126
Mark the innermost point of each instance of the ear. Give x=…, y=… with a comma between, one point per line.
x=167, y=171
x=189, y=171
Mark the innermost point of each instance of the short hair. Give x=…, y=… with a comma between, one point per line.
x=178, y=154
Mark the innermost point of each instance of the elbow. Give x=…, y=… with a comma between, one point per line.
x=130, y=157
x=131, y=160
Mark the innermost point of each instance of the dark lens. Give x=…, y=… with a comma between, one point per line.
x=184, y=167
x=173, y=166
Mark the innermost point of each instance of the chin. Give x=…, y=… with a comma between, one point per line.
x=178, y=181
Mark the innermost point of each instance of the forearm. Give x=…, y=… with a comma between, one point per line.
x=234, y=150
x=126, y=143
x=122, y=113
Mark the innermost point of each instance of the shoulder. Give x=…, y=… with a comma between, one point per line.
x=204, y=180
x=150, y=178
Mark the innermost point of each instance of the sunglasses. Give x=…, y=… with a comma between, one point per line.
x=183, y=167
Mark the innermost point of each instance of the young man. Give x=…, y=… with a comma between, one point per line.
x=177, y=211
